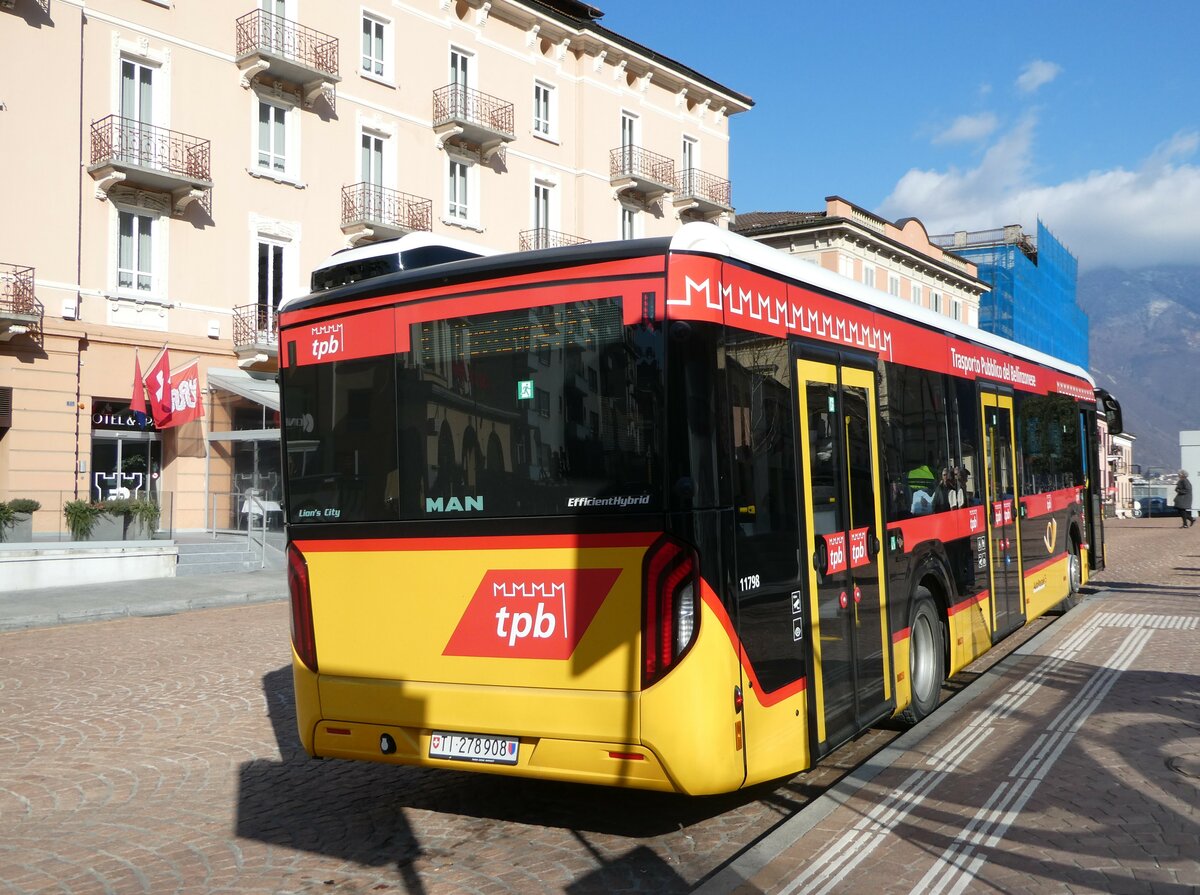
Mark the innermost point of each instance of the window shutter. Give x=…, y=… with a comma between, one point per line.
x=6, y=406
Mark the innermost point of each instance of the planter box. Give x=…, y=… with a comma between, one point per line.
x=21, y=531
x=108, y=528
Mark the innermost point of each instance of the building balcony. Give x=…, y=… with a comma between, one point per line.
x=271, y=44
x=255, y=335
x=20, y=311
x=371, y=212
x=128, y=152
x=641, y=172
x=474, y=120
x=702, y=195
x=541, y=238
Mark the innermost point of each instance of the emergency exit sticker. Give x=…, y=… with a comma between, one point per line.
x=525, y=390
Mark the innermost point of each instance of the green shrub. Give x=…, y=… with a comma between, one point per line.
x=82, y=516
x=144, y=511
x=24, y=505
x=8, y=517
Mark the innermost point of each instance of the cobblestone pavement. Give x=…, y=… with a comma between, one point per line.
x=158, y=755
x=1075, y=769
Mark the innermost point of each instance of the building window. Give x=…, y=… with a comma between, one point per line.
x=956, y=309
x=893, y=285
x=916, y=293
x=135, y=252
x=543, y=201
x=846, y=266
x=543, y=110
x=689, y=161
x=376, y=38
x=935, y=301
x=272, y=137
x=869, y=275
x=628, y=223
x=458, y=202
x=270, y=279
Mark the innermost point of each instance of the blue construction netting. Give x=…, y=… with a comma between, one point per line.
x=1032, y=300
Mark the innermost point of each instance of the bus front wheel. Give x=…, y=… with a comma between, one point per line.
x=926, y=657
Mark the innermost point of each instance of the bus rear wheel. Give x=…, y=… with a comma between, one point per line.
x=926, y=657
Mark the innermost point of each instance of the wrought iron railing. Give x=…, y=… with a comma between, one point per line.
x=697, y=184
x=263, y=32
x=542, y=238
x=634, y=161
x=362, y=202
x=16, y=291
x=126, y=141
x=454, y=102
x=254, y=325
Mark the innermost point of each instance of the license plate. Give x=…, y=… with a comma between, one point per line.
x=473, y=747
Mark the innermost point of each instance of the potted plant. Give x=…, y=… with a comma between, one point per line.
x=137, y=517
x=82, y=516
x=16, y=519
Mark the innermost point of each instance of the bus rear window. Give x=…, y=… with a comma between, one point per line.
x=542, y=411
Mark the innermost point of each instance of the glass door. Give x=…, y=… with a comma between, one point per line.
x=125, y=466
x=1004, y=524
x=849, y=642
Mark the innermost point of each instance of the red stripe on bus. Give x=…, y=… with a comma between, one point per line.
x=956, y=608
x=628, y=267
x=1044, y=564
x=1051, y=501
x=945, y=527
x=764, y=699
x=512, y=542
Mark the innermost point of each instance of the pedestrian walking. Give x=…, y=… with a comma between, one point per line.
x=1183, y=500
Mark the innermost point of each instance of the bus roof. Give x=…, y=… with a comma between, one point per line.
x=691, y=238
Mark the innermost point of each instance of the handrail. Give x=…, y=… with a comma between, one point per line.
x=370, y=202
x=457, y=102
x=126, y=141
x=261, y=31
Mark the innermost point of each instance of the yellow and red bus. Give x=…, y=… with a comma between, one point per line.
x=681, y=514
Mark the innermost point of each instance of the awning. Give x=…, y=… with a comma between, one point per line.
x=258, y=387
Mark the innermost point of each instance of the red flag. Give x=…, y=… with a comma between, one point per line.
x=159, y=383
x=185, y=395
x=138, y=402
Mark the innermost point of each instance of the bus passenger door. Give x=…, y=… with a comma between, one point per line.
x=1003, y=515
x=849, y=643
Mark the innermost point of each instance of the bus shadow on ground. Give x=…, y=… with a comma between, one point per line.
x=419, y=820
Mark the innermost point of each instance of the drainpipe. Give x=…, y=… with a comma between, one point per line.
x=81, y=344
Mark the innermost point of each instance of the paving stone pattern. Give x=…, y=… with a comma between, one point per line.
x=158, y=755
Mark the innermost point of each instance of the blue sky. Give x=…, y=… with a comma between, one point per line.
x=966, y=115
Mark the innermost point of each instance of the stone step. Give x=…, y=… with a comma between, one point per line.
x=191, y=570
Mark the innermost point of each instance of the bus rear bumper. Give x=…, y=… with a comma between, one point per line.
x=575, y=761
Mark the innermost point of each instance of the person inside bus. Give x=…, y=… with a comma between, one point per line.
x=946, y=494
x=921, y=483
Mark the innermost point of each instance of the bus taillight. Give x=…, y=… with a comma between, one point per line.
x=671, y=581
x=303, y=638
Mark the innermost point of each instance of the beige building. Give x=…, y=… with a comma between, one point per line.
x=897, y=258
x=175, y=169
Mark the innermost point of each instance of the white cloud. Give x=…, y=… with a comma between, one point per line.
x=968, y=129
x=1037, y=74
x=1120, y=217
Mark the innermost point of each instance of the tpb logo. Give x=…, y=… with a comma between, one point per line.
x=329, y=338
x=530, y=613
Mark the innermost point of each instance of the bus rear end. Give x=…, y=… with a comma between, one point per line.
x=484, y=567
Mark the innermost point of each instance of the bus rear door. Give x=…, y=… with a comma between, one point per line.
x=849, y=644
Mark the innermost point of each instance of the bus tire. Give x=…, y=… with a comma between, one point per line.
x=1074, y=576
x=926, y=657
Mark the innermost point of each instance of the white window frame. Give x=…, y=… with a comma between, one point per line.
x=157, y=250
x=545, y=111
x=955, y=309
x=544, y=196
x=689, y=160
x=914, y=292
x=461, y=211
x=377, y=68
x=291, y=137
x=893, y=285
x=846, y=266
x=629, y=223
x=868, y=276
x=935, y=301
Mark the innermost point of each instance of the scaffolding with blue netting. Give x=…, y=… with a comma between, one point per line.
x=1032, y=298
